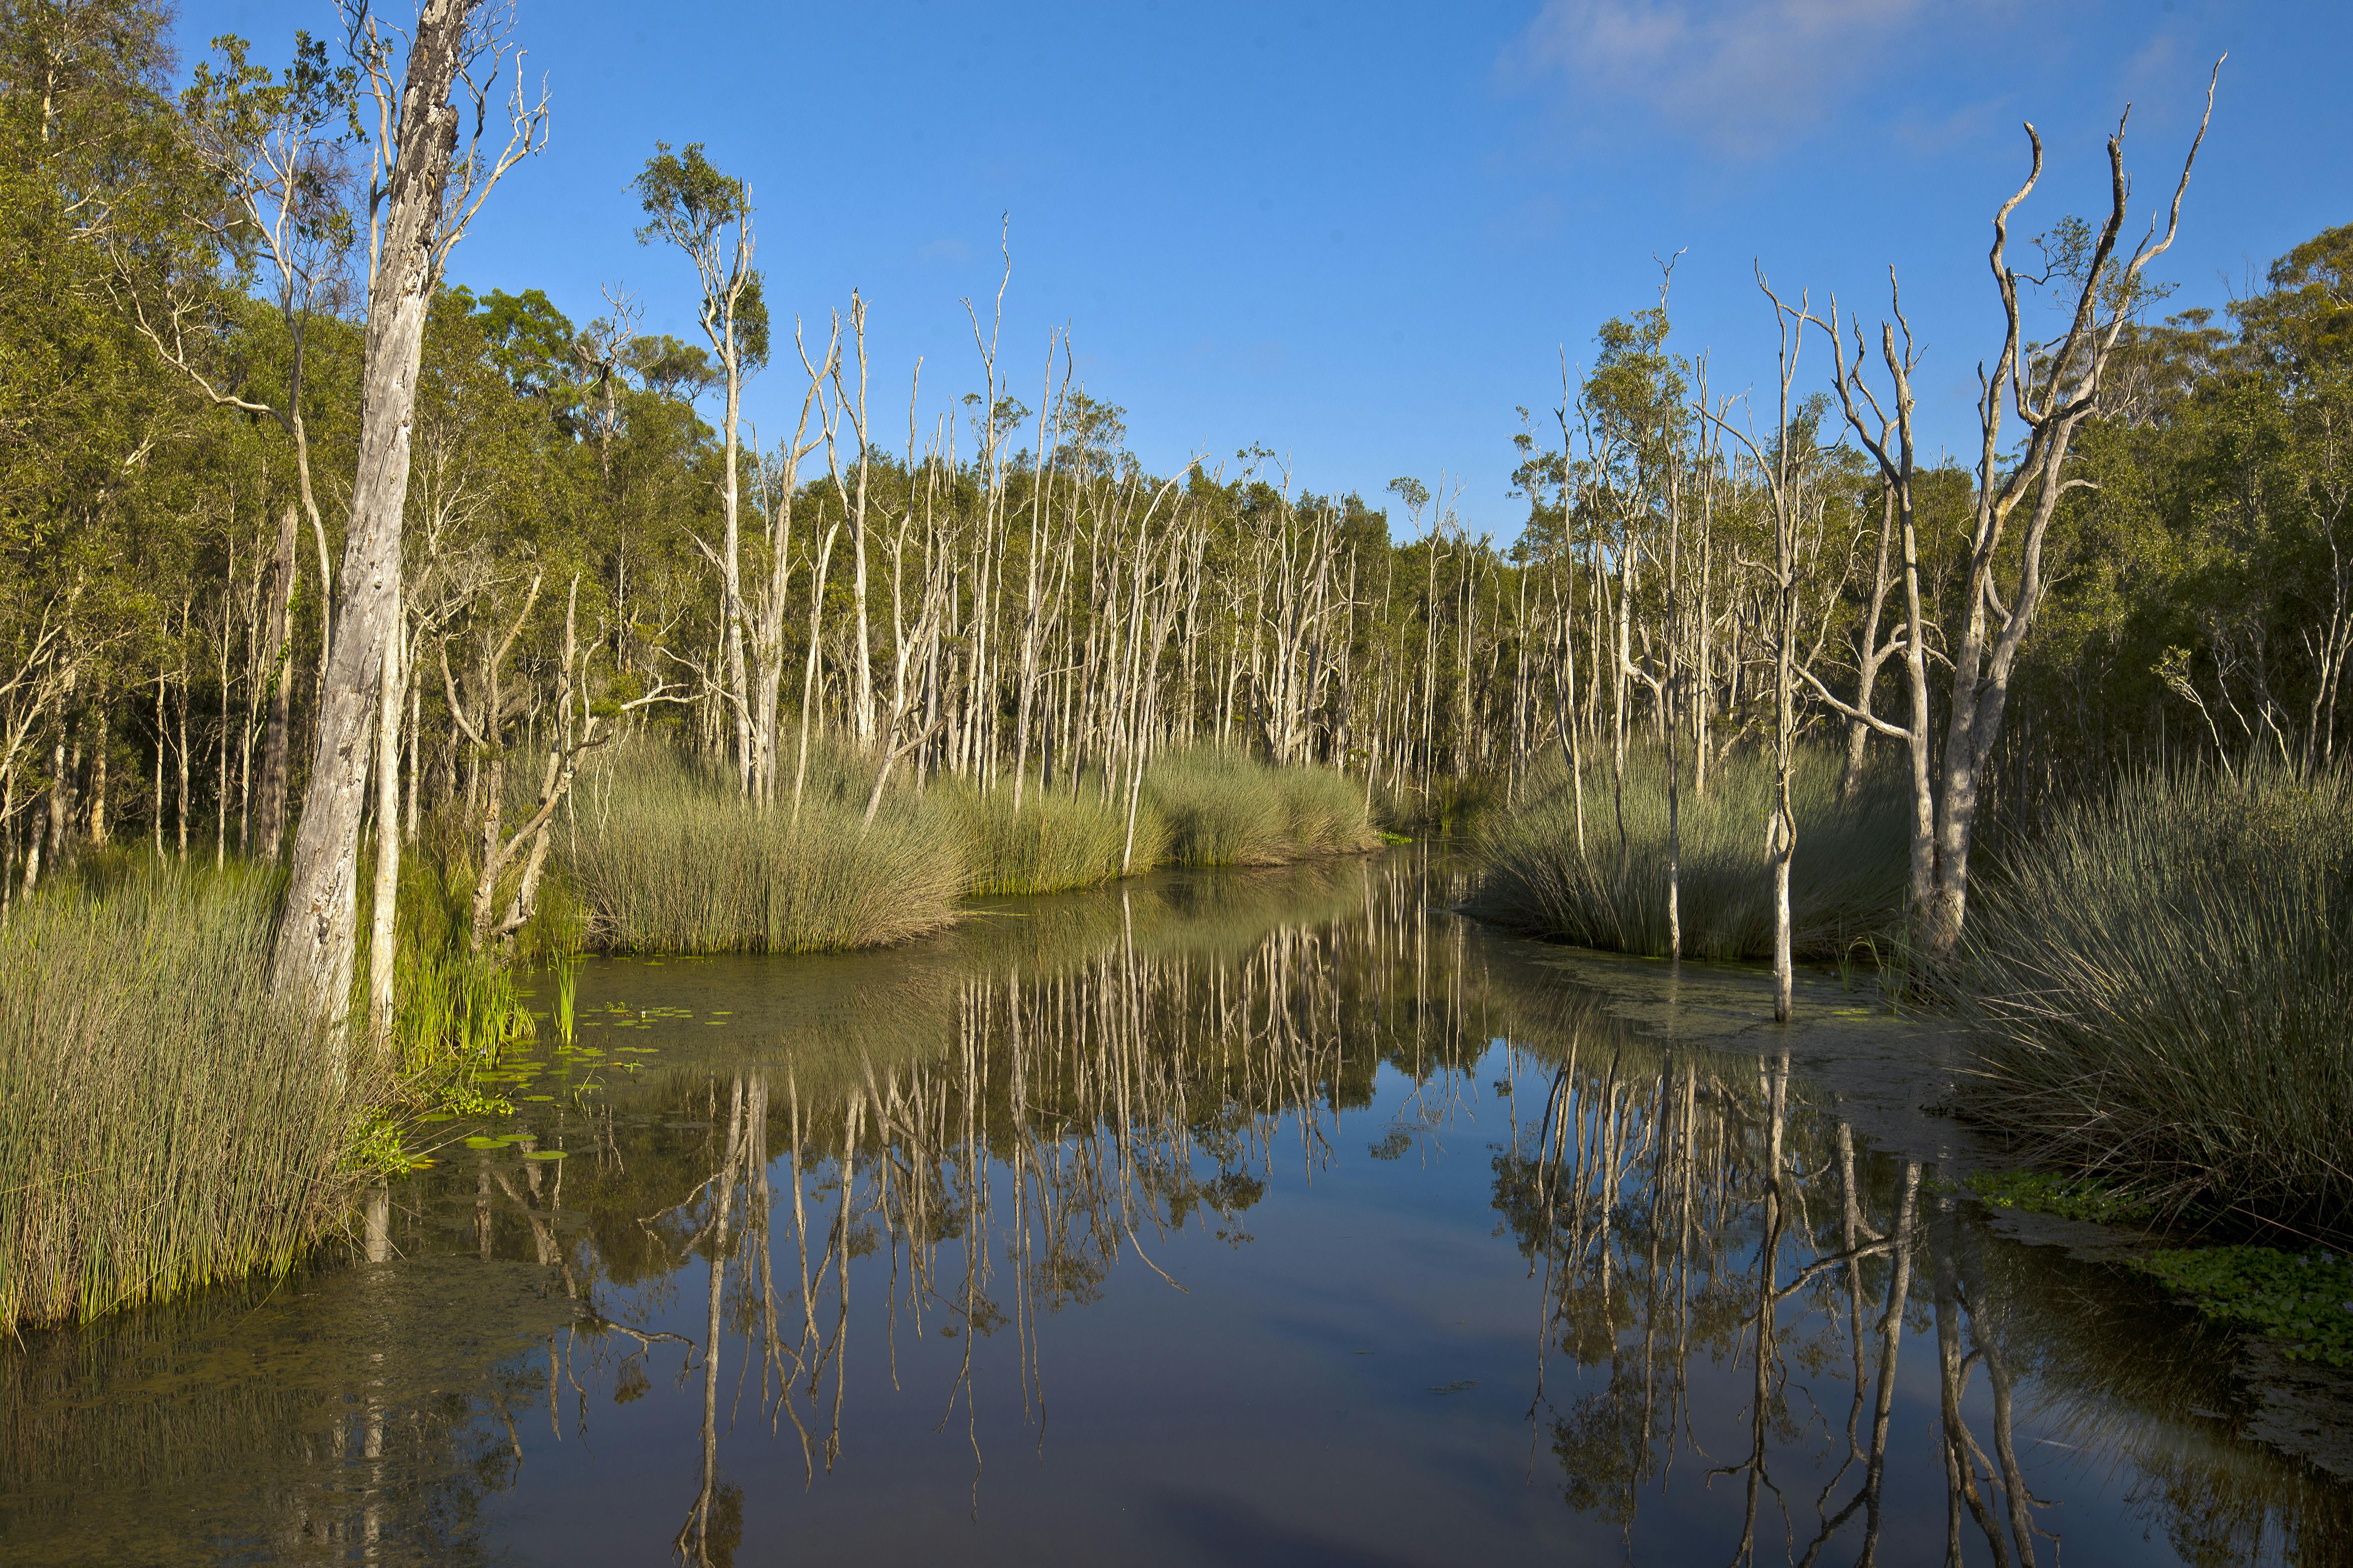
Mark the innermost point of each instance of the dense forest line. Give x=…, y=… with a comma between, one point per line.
x=316, y=560
x=1001, y=589
x=980, y=590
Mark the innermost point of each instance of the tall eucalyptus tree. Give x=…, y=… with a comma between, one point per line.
x=707, y=214
x=421, y=196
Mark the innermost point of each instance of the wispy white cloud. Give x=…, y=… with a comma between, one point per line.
x=2155, y=64
x=1930, y=133
x=1743, y=76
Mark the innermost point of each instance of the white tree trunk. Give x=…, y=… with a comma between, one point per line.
x=315, y=940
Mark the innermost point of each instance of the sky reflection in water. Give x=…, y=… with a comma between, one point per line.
x=1246, y=1218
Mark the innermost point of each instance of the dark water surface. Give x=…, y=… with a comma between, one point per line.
x=1242, y=1218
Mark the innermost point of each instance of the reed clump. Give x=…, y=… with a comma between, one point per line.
x=2165, y=995
x=1441, y=808
x=455, y=1011
x=1198, y=807
x=164, y=1125
x=1223, y=808
x=1058, y=840
x=1846, y=880
x=663, y=856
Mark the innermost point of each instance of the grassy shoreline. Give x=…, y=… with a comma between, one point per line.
x=1846, y=881
x=2162, y=992
x=666, y=859
x=166, y=1126
x=2157, y=977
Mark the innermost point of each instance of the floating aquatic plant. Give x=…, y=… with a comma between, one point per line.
x=2304, y=1301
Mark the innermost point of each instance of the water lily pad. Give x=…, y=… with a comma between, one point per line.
x=544, y=1154
x=485, y=1142
x=548, y=1097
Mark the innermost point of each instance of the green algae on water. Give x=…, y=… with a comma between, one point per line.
x=2040, y=1192
x=2303, y=1300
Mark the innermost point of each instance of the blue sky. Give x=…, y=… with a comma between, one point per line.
x=1362, y=233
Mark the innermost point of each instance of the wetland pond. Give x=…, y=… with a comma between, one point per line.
x=1250, y=1217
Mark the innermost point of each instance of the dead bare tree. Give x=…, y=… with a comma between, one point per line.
x=1782, y=473
x=2052, y=388
x=780, y=483
x=708, y=216
x=576, y=728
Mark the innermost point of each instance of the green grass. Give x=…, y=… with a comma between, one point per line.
x=163, y=1125
x=1846, y=881
x=1452, y=806
x=668, y=859
x=1057, y=841
x=1225, y=809
x=1201, y=806
x=2304, y=1301
x=454, y=1011
x=2162, y=986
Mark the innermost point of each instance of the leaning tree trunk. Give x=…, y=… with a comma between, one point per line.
x=313, y=962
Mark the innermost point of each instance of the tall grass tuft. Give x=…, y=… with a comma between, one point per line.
x=455, y=1011
x=163, y=1125
x=1225, y=809
x=1060, y=839
x=665, y=857
x=1200, y=806
x=1448, y=809
x=1846, y=882
x=2165, y=987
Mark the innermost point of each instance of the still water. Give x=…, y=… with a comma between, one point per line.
x=1236, y=1218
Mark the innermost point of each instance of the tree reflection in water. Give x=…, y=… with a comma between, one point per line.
x=1754, y=1333
x=1674, y=1206
x=1079, y=1117
x=1683, y=1211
